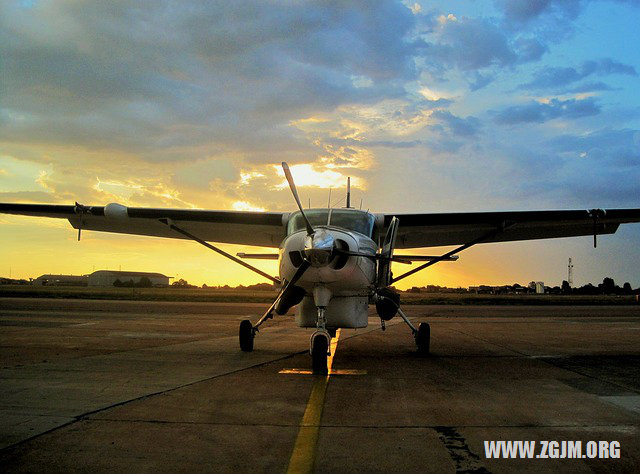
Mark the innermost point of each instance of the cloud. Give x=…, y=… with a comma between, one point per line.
x=603, y=165
x=543, y=111
x=27, y=196
x=525, y=10
x=529, y=49
x=557, y=77
x=470, y=44
x=459, y=127
x=185, y=82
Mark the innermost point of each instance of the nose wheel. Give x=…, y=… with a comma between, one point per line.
x=319, y=352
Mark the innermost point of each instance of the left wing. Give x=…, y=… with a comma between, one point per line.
x=432, y=230
x=264, y=229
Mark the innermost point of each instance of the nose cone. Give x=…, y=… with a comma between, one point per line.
x=318, y=247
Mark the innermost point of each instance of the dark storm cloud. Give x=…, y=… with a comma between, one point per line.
x=555, y=77
x=541, y=112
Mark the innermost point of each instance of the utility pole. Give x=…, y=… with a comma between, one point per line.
x=570, y=273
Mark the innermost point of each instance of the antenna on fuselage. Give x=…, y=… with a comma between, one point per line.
x=348, y=193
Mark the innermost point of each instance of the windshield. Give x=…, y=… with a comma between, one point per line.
x=350, y=219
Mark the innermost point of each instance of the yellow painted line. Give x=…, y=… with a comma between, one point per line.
x=333, y=372
x=304, y=451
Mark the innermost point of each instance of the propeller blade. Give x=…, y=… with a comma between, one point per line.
x=294, y=191
x=297, y=275
x=301, y=269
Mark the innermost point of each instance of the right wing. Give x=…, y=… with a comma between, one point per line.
x=433, y=230
x=263, y=229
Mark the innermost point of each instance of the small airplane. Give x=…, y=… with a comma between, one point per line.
x=334, y=263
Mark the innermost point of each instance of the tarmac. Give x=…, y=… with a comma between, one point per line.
x=162, y=386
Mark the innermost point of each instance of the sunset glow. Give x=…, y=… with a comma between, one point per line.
x=427, y=107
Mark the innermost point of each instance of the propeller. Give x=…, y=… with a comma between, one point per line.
x=294, y=191
x=319, y=244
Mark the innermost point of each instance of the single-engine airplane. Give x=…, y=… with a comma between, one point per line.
x=334, y=263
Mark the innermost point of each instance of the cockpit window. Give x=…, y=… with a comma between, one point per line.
x=350, y=219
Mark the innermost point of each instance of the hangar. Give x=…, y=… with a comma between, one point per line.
x=109, y=277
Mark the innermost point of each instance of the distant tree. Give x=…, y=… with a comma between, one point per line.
x=626, y=288
x=566, y=288
x=117, y=283
x=144, y=282
x=587, y=289
x=608, y=286
x=182, y=283
x=260, y=287
x=413, y=289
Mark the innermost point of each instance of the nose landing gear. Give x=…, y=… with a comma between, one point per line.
x=319, y=347
x=319, y=352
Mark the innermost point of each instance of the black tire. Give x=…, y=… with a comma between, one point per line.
x=246, y=335
x=423, y=338
x=320, y=345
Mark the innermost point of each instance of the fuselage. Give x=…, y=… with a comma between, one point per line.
x=349, y=279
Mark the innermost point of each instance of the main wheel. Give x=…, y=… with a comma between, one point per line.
x=423, y=338
x=319, y=347
x=246, y=335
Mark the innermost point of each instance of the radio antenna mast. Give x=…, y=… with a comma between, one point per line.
x=348, y=193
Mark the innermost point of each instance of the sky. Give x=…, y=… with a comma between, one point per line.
x=429, y=106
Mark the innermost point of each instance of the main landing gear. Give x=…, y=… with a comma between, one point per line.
x=388, y=305
x=423, y=336
x=246, y=333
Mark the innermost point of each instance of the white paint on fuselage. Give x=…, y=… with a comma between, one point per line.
x=349, y=284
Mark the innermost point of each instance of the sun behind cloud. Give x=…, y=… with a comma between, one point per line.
x=307, y=175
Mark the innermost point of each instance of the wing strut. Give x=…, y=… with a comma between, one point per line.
x=448, y=255
x=172, y=226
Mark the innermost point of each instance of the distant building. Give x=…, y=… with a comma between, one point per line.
x=61, y=280
x=482, y=290
x=109, y=277
x=539, y=287
x=13, y=281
